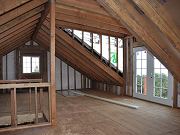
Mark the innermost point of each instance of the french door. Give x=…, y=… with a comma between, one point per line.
x=152, y=81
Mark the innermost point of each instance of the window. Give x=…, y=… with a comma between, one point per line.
x=160, y=80
x=141, y=72
x=120, y=54
x=113, y=50
x=96, y=43
x=78, y=33
x=105, y=47
x=31, y=64
x=88, y=38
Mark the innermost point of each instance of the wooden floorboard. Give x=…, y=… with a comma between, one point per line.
x=79, y=115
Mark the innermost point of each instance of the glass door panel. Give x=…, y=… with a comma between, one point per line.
x=152, y=81
x=141, y=72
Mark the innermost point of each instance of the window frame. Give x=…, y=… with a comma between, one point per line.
x=31, y=64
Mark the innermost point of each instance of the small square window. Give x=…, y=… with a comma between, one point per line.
x=31, y=64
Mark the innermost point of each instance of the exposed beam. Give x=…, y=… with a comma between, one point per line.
x=17, y=32
x=126, y=13
x=86, y=55
x=20, y=10
x=91, y=23
x=52, y=61
x=17, y=44
x=69, y=53
x=19, y=26
x=21, y=19
x=72, y=25
x=7, y=45
x=86, y=5
x=43, y=17
x=60, y=53
x=158, y=14
x=7, y=5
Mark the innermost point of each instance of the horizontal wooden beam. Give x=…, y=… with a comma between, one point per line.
x=91, y=23
x=70, y=25
x=24, y=85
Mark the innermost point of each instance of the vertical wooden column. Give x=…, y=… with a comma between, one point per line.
x=75, y=79
x=30, y=100
x=100, y=40
x=83, y=38
x=81, y=81
x=61, y=74
x=52, y=54
x=36, y=105
x=6, y=66
x=91, y=34
x=130, y=89
x=109, y=43
x=117, y=49
x=128, y=66
x=175, y=93
x=1, y=67
x=73, y=33
x=13, y=108
x=68, y=78
x=125, y=42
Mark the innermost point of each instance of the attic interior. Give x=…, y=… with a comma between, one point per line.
x=90, y=67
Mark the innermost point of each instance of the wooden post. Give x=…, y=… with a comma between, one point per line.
x=117, y=68
x=36, y=106
x=68, y=78
x=100, y=40
x=13, y=108
x=81, y=81
x=125, y=42
x=175, y=93
x=91, y=34
x=41, y=99
x=61, y=73
x=109, y=43
x=131, y=67
x=30, y=102
x=52, y=54
x=82, y=38
x=74, y=79
x=73, y=33
x=6, y=66
x=1, y=67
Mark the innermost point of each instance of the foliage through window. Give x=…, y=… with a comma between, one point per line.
x=31, y=64
x=160, y=80
x=141, y=72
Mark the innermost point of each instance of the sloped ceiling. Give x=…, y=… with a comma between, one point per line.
x=155, y=22
x=23, y=21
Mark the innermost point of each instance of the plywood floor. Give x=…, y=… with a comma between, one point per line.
x=86, y=116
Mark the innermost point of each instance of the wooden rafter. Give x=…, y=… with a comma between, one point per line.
x=20, y=10
x=21, y=19
x=126, y=13
x=162, y=19
x=7, y=5
x=43, y=17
